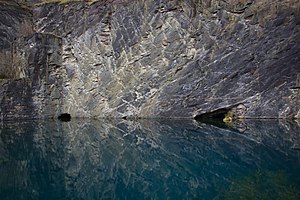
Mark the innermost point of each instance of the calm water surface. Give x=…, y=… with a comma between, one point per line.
x=148, y=159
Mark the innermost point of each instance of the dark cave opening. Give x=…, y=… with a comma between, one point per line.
x=64, y=117
x=214, y=118
x=214, y=115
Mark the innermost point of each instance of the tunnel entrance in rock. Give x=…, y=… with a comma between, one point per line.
x=64, y=117
x=217, y=115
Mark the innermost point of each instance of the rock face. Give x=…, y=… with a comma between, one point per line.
x=148, y=59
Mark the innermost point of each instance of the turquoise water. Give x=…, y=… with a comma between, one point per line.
x=148, y=159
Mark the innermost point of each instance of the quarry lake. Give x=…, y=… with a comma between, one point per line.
x=149, y=159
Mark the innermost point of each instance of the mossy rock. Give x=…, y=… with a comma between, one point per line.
x=228, y=117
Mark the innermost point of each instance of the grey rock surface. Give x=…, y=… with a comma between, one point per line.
x=155, y=59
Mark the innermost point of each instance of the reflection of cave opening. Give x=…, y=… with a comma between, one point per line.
x=65, y=117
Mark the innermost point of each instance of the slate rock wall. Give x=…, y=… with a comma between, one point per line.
x=16, y=26
x=170, y=59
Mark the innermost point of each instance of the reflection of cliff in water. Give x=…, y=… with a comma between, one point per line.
x=138, y=159
x=262, y=185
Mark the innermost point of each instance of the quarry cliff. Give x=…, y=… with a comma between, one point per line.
x=150, y=59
